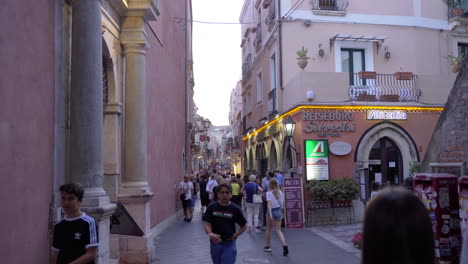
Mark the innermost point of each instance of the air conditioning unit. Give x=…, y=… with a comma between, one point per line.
x=310, y=96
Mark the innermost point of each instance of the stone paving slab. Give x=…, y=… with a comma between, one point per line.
x=187, y=243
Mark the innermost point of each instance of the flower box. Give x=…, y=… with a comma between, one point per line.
x=367, y=74
x=403, y=75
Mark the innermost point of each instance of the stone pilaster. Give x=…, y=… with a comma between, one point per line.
x=86, y=116
x=135, y=193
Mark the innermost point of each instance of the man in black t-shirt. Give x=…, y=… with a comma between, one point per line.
x=76, y=236
x=220, y=225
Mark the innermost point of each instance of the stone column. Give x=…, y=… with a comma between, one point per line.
x=86, y=116
x=135, y=193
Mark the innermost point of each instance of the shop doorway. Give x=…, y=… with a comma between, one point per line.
x=385, y=162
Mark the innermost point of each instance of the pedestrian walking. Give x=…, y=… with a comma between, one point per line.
x=75, y=238
x=275, y=203
x=252, y=207
x=375, y=189
x=204, y=198
x=236, y=194
x=220, y=219
x=211, y=184
x=185, y=196
x=397, y=229
x=194, y=194
x=280, y=178
x=265, y=182
x=219, y=180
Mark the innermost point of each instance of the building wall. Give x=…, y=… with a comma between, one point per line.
x=26, y=128
x=165, y=102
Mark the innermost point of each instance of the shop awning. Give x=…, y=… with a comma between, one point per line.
x=359, y=38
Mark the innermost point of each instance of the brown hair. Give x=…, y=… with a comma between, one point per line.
x=397, y=221
x=73, y=188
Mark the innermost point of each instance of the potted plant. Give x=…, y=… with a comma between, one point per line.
x=334, y=193
x=357, y=240
x=403, y=75
x=367, y=74
x=454, y=8
x=455, y=62
x=302, y=58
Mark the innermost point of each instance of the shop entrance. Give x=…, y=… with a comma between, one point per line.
x=385, y=162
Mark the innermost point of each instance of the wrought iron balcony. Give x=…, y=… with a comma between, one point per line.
x=385, y=88
x=329, y=7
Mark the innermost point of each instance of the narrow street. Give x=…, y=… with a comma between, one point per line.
x=187, y=243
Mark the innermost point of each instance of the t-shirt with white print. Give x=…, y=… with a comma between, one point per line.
x=186, y=188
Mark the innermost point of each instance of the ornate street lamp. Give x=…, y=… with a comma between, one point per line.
x=289, y=126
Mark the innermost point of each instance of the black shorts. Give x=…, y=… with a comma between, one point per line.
x=187, y=203
x=205, y=201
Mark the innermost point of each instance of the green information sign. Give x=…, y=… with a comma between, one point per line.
x=316, y=155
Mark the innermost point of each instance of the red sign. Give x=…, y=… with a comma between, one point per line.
x=294, y=203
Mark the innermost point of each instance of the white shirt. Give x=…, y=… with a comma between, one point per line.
x=275, y=203
x=209, y=187
x=186, y=188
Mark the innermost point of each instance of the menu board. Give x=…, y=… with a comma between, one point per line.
x=294, y=203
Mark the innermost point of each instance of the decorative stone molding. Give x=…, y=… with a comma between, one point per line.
x=113, y=108
x=143, y=8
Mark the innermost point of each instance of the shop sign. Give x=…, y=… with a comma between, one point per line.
x=318, y=122
x=316, y=156
x=294, y=203
x=386, y=115
x=340, y=148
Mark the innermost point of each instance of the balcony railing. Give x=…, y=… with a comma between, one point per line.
x=246, y=67
x=330, y=5
x=385, y=88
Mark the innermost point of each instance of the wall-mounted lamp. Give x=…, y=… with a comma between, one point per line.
x=387, y=53
x=321, y=52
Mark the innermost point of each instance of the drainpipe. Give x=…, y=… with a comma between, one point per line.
x=280, y=48
x=186, y=89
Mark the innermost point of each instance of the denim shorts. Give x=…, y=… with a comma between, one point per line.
x=277, y=213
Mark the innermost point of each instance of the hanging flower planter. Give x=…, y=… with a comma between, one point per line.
x=403, y=75
x=302, y=62
x=456, y=67
x=367, y=74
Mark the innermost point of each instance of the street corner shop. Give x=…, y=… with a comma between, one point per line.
x=337, y=141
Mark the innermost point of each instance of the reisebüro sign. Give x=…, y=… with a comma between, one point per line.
x=321, y=122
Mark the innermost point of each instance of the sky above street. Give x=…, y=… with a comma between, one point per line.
x=216, y=56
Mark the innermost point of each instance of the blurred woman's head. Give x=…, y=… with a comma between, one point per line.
x=252, y=178
x=397, y=229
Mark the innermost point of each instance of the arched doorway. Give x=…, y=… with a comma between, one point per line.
x=385, y=162
x=273, y=157
x=251, y=162
x=262, y=161
x=399, y=148
x=245, y=163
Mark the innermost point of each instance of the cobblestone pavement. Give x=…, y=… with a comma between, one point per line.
x=340, y=236
x=187, y=243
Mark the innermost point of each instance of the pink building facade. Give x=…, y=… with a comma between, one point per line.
x=358, y=57
x=102, y=96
